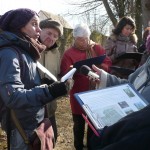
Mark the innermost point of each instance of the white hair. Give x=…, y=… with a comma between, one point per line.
x=81, y=30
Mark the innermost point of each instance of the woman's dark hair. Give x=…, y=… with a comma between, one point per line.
x=123, y=22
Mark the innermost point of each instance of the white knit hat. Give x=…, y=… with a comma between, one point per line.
x=81, y=30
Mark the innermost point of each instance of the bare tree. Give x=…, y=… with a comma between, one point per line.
x=110, y=12
x=114, y=10
x=138, y=20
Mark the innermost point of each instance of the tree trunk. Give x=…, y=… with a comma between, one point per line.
x=109, y=12
x=138, y=21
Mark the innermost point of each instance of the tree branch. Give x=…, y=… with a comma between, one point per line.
x=110, y=13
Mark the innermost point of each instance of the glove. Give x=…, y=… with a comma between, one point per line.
x=57, y=89
x=46, y=81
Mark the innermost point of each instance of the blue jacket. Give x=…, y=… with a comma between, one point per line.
x=24, y=94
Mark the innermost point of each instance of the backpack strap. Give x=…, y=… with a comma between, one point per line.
x=18, y=126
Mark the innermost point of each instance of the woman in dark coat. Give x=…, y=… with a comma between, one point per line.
x=20, y=84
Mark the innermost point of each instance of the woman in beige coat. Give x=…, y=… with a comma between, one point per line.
x=122, y=40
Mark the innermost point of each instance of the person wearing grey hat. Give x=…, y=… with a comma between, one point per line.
x=21, y=88
x=50, y=58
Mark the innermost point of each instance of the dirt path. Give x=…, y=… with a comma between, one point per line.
x=64, y=124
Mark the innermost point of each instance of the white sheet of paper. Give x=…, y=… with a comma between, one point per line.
x=50, y=75
x=46, y=71
x=107, y=106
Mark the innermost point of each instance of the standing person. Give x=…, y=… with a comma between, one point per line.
x=82, y=49
x=23, y=92
x=123, y=39
x=50, y=58
x=146, y=53
x=142, y=47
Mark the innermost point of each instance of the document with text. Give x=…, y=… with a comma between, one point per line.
x=106, y=106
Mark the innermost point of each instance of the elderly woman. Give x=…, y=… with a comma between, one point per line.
x=83, y=48
x=20, y=83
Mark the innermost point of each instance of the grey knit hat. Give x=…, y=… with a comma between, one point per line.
x=49, y=23
x=14, y=20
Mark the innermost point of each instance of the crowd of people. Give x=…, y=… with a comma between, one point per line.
x=29, y=96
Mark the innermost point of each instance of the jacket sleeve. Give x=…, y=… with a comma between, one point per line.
x=12, y=90
x=110, y=48
x=107, y=80
x=107, y=61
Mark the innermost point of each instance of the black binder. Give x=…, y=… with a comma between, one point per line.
x=130, y=55
x=89, y=62
x=121, y=70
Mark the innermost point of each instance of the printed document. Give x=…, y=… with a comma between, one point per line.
x=106, y=106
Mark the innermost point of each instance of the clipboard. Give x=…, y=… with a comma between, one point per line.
x=104, y=107
x=130, y=55
x=90, y=125
x=89, y=62
x=125, y=71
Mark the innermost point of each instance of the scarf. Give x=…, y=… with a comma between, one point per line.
x=123, y=38
x=89, y=49
x=90, y=53
x=35, y=48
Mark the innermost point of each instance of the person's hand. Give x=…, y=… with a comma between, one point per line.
x=69, y=84
x=98, y=71
x=71, y=67
x=46, y=81
x=57, y=89
x=44, y=136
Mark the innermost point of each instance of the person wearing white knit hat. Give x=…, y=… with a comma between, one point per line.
x=83, y=48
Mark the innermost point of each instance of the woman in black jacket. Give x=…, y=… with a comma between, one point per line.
x=20, y=83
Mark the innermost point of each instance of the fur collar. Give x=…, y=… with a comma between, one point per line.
x=133, y=38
